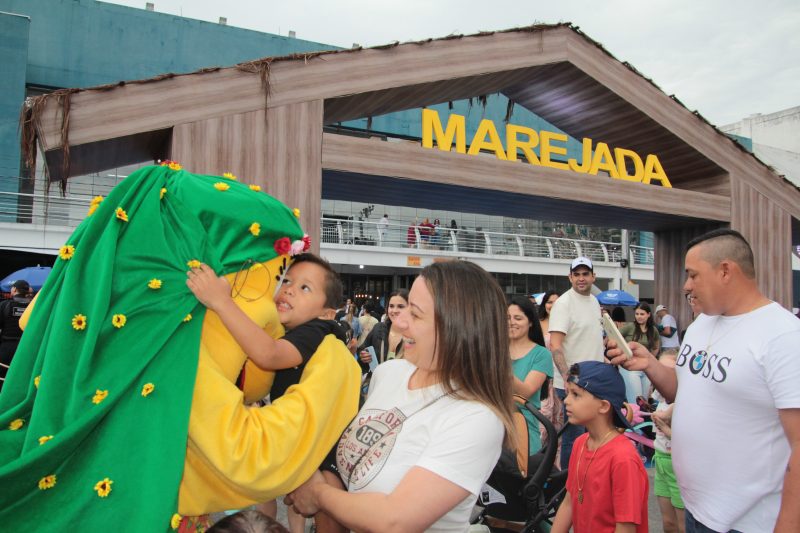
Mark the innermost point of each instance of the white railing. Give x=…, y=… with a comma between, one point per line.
x=69, y=211
x=48, y=210
x=392, y=235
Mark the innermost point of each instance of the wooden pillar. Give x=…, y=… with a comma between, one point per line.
x=670, y=273
x=279, y=149
x=768, y=229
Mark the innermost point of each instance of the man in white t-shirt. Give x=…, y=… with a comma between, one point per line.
x=667, y=328
x=736, y=421
x=383, y=227
x=575, y=335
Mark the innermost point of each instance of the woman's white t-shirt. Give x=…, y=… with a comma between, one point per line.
x=399, y=428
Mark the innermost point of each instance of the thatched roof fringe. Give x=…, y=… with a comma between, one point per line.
x=385, y=46
x=27, y=130
x=29, y=122
x=65, y=99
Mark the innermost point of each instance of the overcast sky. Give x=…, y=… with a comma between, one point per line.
x=727, y=59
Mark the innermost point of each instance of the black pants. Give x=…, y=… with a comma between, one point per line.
x=7, y=350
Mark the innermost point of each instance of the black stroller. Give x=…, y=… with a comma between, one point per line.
x=531, y=500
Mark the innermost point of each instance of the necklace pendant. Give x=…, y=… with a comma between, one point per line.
x=580, y=496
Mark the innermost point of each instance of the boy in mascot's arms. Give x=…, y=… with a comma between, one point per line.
x=607, y=483
x=306, y=302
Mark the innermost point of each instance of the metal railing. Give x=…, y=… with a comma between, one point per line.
x=418, y=237
x=53, y=210
x=69, y=211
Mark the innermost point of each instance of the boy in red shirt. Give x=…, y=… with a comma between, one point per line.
x=607, y=483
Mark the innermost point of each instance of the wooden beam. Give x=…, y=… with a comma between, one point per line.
x=411, y=161
x=102, y=114
x=281, y=152
x=674, y=117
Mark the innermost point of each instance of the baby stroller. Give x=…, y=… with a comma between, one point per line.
x=531, y=493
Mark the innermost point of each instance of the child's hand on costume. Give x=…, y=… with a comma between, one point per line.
x=212, y=290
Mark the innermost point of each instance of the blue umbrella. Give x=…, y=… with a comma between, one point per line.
x=35, y=276
x=616, y=298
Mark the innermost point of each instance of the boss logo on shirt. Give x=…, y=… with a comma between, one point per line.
x=701, y=363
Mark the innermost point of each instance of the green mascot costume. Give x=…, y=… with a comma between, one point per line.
x=120, y=410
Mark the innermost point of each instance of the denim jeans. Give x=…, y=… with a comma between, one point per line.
x=636, y=384
x=570, y=434
x=693, y=526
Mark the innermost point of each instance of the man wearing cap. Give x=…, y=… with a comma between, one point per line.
x=10, y=333
x=575, y=335
x=736, y=420
x=667, y=328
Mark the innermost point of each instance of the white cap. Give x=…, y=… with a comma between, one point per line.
x=661, y=308
x=581, y=261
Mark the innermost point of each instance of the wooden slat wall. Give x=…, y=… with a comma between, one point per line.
x=281, y=152
x=768, y=228
x=670, y=275
x=294, y=161
x=409, y=160
x=235, y=143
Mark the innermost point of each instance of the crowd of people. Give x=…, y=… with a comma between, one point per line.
x=442, y=369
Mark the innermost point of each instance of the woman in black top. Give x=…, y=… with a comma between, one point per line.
x=384, y=339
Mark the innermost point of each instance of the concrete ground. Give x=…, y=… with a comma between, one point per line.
x=653, y=511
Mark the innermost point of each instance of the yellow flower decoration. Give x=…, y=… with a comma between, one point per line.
x=103, y=488
x=174, y=166
x=296, y=212
x=44, y=439
x=99, y=396
x=175, y=521
x=221, y=186
x=36, y=381
x=66, y=252
x=229, y=175
x=154, y=284
x=16, y=424
x=255, y=229
x=162, y=193
x=194, y=263
x=121, y=214
x=147, y=389
x=79, y=322
x=255, y=188
x=94, y=204
x=119, y=320
x=188, y=317
x=47, y=482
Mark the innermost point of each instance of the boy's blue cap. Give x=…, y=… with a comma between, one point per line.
x=603, y=381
